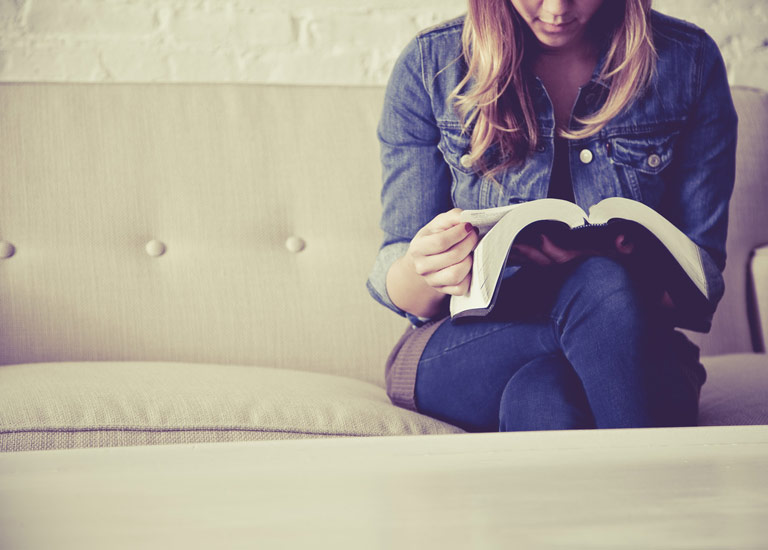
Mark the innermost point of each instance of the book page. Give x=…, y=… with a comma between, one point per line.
x=685, y=251
x=484, y=219
x=490, y=255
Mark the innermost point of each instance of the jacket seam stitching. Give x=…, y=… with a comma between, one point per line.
x=422, y=69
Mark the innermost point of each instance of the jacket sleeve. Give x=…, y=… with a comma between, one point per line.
x=705, y=171
x=416, y=179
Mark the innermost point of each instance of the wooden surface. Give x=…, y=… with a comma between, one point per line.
x=696, y=488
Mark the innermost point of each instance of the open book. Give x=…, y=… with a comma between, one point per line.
x=665, y=249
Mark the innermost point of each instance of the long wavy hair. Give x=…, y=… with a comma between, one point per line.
x=494, y=98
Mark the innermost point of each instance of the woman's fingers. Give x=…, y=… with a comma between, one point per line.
x=425, y=264
x=623, y=244
x=437, y=242
x=457, y=290
x=547, y=253
x=525, y=254
x=441, y=252
x=555, y=253
x=451, y=276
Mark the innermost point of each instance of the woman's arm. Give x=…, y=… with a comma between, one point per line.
x=703, y=170
x=416, y=186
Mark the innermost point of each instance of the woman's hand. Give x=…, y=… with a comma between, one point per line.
x=438, y=263
x=548, y=253
x=623, y=244
x=441, y=253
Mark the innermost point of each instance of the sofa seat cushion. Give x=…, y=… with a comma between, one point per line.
x=90, y=404
x=736, y=391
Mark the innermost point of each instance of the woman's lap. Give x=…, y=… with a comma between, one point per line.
x=575, y=346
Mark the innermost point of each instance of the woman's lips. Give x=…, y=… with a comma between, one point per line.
x=556, y=28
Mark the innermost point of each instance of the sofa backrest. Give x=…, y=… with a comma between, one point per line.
x=222, y=176
x=163, y=222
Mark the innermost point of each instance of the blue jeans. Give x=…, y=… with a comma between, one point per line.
x=583, y=345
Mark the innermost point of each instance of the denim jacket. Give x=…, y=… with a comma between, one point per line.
x=673, y=148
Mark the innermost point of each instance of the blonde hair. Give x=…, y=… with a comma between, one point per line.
x=498, y=101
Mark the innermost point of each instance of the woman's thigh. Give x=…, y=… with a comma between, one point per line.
x=467, y=362
x=466, y=366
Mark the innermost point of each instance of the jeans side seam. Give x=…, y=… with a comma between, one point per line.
x=449, y=349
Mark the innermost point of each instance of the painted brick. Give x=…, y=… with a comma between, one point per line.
x=363, y=30
x=260, y=28
x=51, y=64
x=348, y=5
x=282, y=41
x=203, y=27
x=750, y=70
x=88, y=19
x=306, y=68
x=9, y=12
x=203, y=67
x=135, y=64
x=227, y=27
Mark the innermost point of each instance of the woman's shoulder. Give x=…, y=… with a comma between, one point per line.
x=441, y=44
x=435, y=47
x=434, y=57
x=680, y=39
x=687, y=55
x=450, y=29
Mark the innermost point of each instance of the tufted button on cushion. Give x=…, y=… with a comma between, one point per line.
x=295, y=244
x=155, y=248
x=6, y=250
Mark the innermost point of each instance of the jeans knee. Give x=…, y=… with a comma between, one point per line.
x=600, y=284
x=599, y=278
x=546, y=394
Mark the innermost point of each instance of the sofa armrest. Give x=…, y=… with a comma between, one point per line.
x=759, y=273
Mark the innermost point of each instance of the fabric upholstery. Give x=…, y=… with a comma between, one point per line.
x=736, y=391
x=83, y=404
x=759, y=313
x=222, y=175
x=187, y=262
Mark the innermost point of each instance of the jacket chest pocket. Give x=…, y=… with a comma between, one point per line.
x=468, y=189
x=455, y=147
x=640, y=163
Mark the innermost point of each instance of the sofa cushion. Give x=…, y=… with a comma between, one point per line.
x=90, y=404
x=736, y=391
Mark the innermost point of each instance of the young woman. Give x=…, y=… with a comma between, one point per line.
x=579, y=100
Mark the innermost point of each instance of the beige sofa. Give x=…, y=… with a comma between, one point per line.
x=187, y=263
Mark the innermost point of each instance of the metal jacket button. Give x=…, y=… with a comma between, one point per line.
x=585, y=156
x=654, y=160
x=466, y=161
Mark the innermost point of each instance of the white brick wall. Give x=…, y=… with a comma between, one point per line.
x=280, y=41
